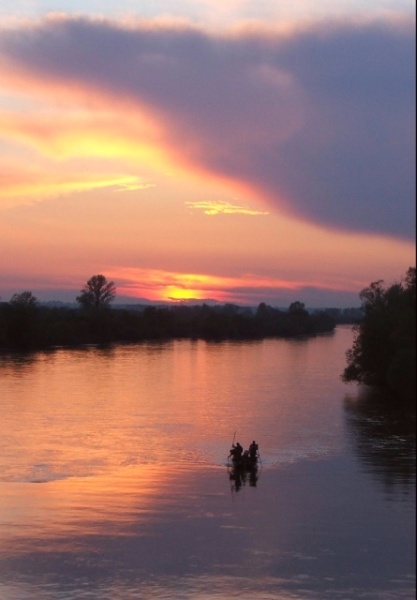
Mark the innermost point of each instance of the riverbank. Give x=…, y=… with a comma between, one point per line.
x=38, y=327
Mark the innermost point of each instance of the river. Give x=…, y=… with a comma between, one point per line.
x=114, y=481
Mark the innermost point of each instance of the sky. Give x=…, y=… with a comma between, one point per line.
x=245, y=151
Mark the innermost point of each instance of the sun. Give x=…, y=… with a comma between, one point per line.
x=179, y=293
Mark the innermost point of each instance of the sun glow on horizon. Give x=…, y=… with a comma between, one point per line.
x=165, y=286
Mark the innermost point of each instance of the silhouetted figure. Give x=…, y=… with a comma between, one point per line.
x=236, y=451
x=253, y=450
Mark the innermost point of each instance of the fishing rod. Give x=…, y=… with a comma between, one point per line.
x=233, y=443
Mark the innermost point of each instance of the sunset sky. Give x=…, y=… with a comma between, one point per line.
x=239, y=150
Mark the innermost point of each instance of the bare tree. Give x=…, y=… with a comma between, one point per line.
x=97, y=293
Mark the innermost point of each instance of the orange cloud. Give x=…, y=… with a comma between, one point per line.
x=210, y=207
x=83, y=133
x=28, y=183
x=47, y=148
x=73, y=128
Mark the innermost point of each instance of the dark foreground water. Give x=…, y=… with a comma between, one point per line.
x=114, y=481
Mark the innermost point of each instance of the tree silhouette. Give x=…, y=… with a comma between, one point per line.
x=383, y=351
x=297, y=308
x=97, y=293
x=24, y=299
x=22, y=320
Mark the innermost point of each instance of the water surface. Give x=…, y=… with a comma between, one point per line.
x=114, y=480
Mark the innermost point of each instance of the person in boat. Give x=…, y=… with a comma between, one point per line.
x=253, y=450
x=236, y=451
x=244, y=460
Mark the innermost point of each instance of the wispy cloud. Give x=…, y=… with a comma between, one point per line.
x=45, y=152
x=132, y=184
x=319, y=120
x=212, y=208
x=32, y=183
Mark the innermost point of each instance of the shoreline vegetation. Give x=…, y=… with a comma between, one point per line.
x=383, y=354
x=28, y=325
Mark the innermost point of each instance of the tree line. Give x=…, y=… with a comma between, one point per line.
x=384, y=348
x=26, y=324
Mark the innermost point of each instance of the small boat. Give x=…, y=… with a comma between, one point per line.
x=245, y=462
x=243, y=469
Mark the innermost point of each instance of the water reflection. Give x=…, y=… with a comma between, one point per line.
x=239, y=477
x=176, y=534
x=383, y=438
x=114, y=484
x=17, y=362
